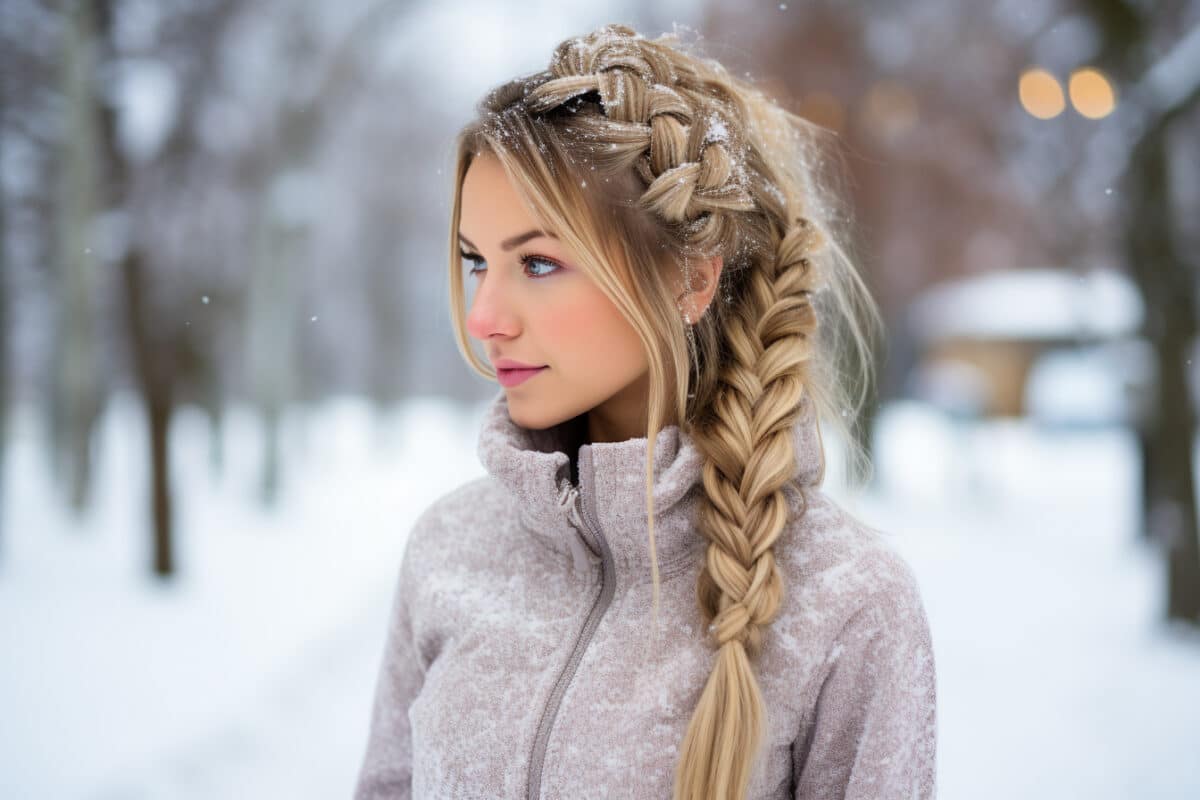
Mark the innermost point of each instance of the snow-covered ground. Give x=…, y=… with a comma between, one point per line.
x=251, y=674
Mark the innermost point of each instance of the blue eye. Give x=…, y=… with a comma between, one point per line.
x=474, y=259
x=527, y=260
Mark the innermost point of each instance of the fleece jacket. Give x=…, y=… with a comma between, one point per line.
x=522, y=659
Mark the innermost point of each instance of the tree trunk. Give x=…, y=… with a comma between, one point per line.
x=77, y=398
x=1168, y=286
x=154, y=380
x=5, y=343
x=150, y=358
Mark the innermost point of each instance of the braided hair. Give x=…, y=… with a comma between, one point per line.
x=684, y=161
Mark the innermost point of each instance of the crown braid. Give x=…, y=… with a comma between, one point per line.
x=662, y=118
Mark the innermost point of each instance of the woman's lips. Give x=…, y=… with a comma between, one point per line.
x=512, y=377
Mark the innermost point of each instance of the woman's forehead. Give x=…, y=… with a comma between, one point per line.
x=492, y=206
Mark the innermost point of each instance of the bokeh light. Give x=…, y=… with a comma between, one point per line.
x=1041, y=94
x=1091, y=93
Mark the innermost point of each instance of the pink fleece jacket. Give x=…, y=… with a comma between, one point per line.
x=521, y=659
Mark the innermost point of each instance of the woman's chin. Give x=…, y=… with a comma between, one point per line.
x=535, y=413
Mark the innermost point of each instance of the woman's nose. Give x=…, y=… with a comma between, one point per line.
x=491, y=311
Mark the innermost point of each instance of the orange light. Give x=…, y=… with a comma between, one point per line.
x=1040, y=93
x=1091, y=93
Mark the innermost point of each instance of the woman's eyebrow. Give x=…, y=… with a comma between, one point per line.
x=510, y=243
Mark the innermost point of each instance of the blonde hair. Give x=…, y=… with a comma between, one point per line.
x=642, y=157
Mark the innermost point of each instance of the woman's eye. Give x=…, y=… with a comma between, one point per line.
x=475, y=260
x=532, y=263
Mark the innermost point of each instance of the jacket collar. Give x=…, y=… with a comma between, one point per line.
x=534, y=467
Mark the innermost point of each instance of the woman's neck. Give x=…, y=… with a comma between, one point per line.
x=576, y=435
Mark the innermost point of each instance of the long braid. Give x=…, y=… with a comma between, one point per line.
x=748, y=446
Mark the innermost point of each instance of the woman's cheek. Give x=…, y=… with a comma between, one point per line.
x=587, y=334
x=571, y=323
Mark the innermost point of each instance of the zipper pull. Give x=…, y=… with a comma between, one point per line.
x=579, y=554
x=573, y=509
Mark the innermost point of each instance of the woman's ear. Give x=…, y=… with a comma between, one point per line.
x=693, y=301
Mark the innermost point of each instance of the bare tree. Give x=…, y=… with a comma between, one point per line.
x=5, y=337
x=162, y=350
x=77, y=396
x=1165, y=93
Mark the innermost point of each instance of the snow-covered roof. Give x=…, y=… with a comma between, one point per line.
x=1033, y=304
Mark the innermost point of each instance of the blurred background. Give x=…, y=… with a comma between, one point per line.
x=228, y=382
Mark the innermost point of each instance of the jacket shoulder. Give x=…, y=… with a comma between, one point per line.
x=448, y=525
x=837, y=566
x=858, y=659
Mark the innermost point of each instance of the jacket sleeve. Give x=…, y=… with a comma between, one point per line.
x=386, y=768
x=873, y=732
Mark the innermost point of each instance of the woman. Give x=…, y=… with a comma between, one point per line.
x=649, y=595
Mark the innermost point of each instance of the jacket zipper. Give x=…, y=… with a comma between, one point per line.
x=583, y=518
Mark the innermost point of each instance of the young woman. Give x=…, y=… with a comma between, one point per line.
x=648, y=595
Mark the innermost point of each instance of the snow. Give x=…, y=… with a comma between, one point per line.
x=295, y=197
x=955, y=386
x=1028, y=304
x=717, y=130
x=253, y=674
x=221, y=684
x=1095, y=385
x=147, y=93
x=1046, y=611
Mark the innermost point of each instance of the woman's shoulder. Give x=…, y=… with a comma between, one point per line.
x=451, y=518
x=837, y=567
x=853, y=656
x=460, y=504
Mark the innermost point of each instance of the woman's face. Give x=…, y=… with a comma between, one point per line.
x=532, y=303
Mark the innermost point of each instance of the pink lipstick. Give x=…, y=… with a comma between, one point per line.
x=512, y=377
x=512, y=373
